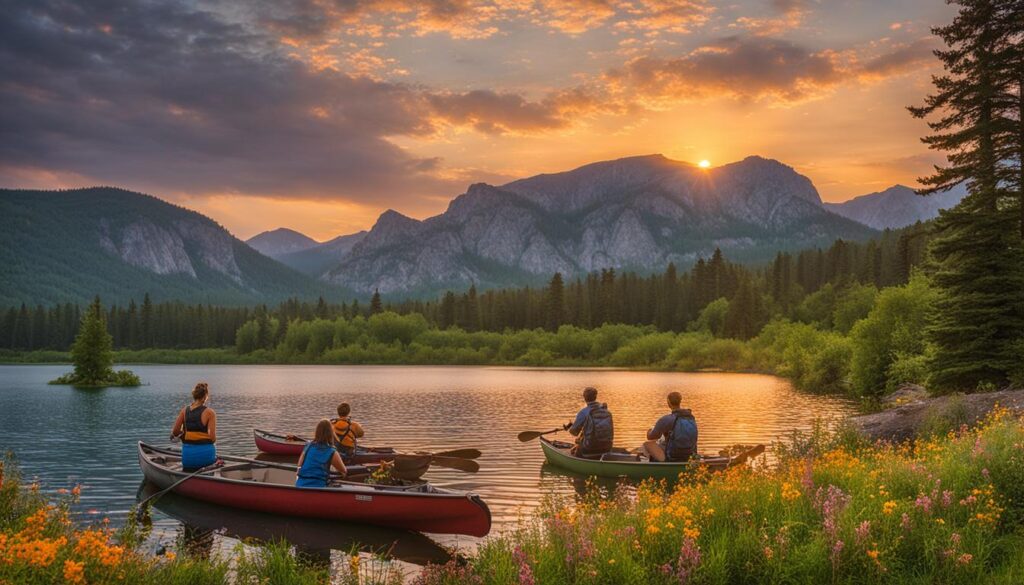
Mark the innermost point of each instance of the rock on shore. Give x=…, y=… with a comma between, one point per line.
x=912, y=411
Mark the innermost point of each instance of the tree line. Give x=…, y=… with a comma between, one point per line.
x=670, y=301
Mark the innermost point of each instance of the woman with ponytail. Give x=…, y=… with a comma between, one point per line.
x=197, y=426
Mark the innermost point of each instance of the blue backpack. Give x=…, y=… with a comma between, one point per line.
x=681, y=443
x=598, y=430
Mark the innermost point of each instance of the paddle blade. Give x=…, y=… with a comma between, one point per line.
x=527, y=436
x=460, y=453
x=748, y=454
x=467, y=465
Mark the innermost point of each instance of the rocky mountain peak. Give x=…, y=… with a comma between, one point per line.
x=280, y=241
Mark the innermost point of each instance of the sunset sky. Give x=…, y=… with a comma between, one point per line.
x=319, y=114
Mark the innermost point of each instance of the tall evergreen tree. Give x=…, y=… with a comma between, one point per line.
x=375, y=305
x=978, y=316
x=92, y=352
x=555, y=302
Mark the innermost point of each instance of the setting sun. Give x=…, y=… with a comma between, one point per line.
x=704, y=164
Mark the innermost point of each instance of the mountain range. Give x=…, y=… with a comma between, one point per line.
x=637, y=213
x=896, y=207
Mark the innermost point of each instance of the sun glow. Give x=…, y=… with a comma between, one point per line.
x=704, y=164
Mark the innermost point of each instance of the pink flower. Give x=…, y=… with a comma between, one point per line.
x=525, y=572
x=947, y=498
x=689, y=560
x=924, y=502
x=863, y=531
x=905, y=522
x=837, y=551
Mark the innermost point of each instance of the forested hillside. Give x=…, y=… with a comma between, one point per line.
x=67, y=246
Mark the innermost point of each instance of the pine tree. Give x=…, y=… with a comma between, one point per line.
x=92, y=352
x=446, y=317
x=375, y=305
x=554, y=304
x=978, y=316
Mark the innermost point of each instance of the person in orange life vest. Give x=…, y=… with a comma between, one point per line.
x=197, y=426
x=347, y=431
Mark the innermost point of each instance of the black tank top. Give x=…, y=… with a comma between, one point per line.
x=196, y=432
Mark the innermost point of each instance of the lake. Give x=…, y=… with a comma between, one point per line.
x=63, y=436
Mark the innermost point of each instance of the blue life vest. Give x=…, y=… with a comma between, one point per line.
x=598, y=430
x=681, y=443
x=316, y=465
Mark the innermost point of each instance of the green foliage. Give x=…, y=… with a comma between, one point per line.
x=93, y=357
x=893, y=329
x=712, y=318
x=853, y=304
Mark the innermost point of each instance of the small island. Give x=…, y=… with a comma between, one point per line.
x=93, y=355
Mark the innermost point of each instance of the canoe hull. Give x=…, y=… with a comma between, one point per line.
x=557, y=454
x=277, y=445
x=439, y=512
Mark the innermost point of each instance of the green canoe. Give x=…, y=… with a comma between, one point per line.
x=620, y=462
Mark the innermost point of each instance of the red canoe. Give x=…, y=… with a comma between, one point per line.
x=263, y=487
x=276, y=444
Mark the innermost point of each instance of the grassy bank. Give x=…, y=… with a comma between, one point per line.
x=833, y=510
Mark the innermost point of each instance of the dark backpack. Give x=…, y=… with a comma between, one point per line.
x=681, y=443
x=598, y=430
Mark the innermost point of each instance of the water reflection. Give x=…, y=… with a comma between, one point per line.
x=410, y=408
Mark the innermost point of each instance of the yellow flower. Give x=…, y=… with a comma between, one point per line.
x=170, y=555
x=611, y=561
x=889, y=507
x=74, y=572
x=873, y=553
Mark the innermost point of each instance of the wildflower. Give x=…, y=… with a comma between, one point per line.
x=170, y=555
x=964, y=559
x=863, y=531
x=74, y=572
x=353, y=565
x=940, y=521
x=611, y=561
x=924, y=503
x=837, y=551
x=873, y=554
x=905, y=522
x=768, y=553
x=889, y=507
x=947, y=498
x=789, y=492
x=525, y=572
x=984, y=473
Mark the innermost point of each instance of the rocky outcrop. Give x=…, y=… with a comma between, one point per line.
x=637, y=213
x=911, y=413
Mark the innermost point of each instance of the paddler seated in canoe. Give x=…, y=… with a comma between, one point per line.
x=318, y=457
x=347, y=431
x=197, y=426
x=674, y=436
x=592, y=427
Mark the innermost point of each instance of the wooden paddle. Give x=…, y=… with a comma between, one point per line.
x=748, y=454
x=140, y=510
x=527, y=436
x=467, y=465
x=460, y=453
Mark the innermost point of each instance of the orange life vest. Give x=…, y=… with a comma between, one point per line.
x=343, y=429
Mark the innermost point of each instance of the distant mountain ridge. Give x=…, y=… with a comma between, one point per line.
x=59, y=246
x=281, y=241
x=896, y=207
x=636, y=213
x=315, y=260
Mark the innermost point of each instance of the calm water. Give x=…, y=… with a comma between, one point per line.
x=64, y=436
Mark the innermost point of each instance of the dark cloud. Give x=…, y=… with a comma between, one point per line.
x=743, y=67
x=187, y=100
x=901, y=59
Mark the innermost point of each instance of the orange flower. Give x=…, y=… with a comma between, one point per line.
x=74, y=572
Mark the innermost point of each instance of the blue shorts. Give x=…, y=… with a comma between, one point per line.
x=195, y=457
x=310, y=482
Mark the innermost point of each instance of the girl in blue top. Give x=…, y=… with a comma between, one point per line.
x=318, y=457
x=197, y=426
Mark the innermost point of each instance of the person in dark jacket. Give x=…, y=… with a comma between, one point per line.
x=674, y=436
x=592, y=427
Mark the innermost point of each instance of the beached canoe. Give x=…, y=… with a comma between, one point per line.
x=620, y=462
x=261, y=486
x=277, y=444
